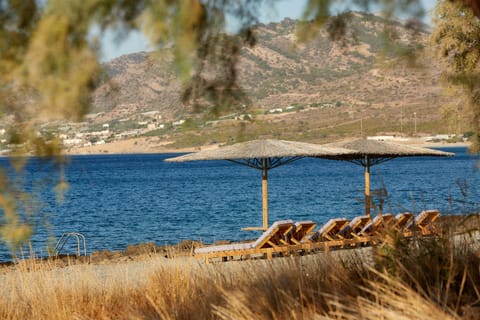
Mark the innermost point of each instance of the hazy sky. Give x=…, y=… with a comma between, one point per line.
x=136, y=42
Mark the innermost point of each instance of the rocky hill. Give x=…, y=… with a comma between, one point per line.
x=328, y=84
x=138, y=82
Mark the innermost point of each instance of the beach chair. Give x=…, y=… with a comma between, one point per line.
x=301, y=230
x=351, y=232
x=329, y=231
x=352, y=229
x=401, y=221
x=424, y=222
x=274, y=237
x=377, y=225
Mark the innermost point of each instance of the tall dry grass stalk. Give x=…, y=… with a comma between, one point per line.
x=390, y=299
x=404, y=280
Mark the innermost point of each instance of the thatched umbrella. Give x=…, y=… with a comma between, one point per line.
x=264, y=155
x=373, y=152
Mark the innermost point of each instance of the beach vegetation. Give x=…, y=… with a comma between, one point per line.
x=434, y=278
x=455, y=43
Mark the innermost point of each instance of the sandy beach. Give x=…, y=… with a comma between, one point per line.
x=129, y=146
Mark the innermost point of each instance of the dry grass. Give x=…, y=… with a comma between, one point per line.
x=433, y=279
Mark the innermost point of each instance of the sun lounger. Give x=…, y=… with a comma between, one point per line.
x=377, y=225
x=352, y=229
x=424, y=222
x=329, y=231
x=301, y=230
x=401, y=221
x=275, y=236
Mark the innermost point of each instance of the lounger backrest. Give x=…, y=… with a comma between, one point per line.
x=362, y=222
x=277, y=229
x=388, y=219
x=331, y=228
x=402, y=220
x=426, y=217
x=377, y=223
x=371, y=225
x=356, y=225
x=302, y=229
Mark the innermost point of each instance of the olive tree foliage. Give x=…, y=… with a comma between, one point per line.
x=456, y=44
x=49, y=64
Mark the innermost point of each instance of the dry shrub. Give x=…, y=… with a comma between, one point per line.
x=431, y=278
x=292, y=287
x=75, y=293
x=183, y=292
x=444, y=268
x=43, y=291
x=389, y=299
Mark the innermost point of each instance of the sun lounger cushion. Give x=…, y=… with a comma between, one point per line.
x=225, y=247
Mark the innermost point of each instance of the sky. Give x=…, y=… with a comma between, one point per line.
x=136, y=42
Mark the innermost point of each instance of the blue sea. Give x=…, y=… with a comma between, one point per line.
x=117, y=200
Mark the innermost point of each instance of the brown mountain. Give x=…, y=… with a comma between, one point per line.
x=323, y=87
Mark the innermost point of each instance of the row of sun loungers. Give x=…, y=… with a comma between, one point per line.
x=286, y=237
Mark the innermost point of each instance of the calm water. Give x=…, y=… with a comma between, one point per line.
x=117, y=200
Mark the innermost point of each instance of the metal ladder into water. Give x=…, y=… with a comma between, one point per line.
x=64, y=238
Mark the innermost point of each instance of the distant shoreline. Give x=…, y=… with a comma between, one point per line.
x=142, y=145
x=438, y=144
x=153, y=145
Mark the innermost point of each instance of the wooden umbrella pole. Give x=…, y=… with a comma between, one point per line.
x=367, y=187
x=265, y=194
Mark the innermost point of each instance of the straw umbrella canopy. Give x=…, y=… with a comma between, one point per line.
x=264, y=155
x=373, y=152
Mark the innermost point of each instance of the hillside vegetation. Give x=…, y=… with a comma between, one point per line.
x=314, y=91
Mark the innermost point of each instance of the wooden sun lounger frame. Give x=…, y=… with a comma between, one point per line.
x=330, y=230
x=286, y=250
x=301, y=231
x=286, y=247
x=273, y=238
x=424, y=222
x=402, y=220
x=379, y=224
x=353, y=229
